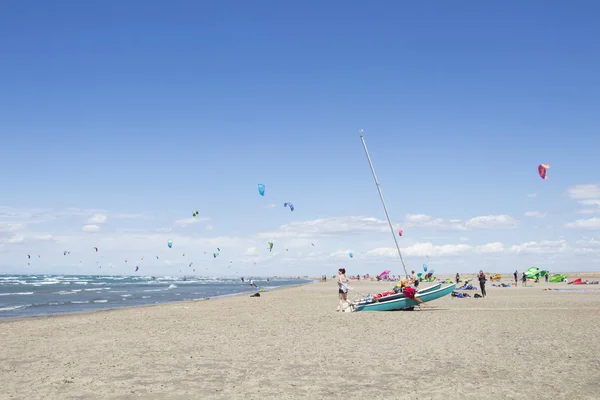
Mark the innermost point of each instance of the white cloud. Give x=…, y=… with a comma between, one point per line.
x=251, y=251
x=580, y=192
x=542, y=247
x=420, y=250
x=329, y=227
x=131, y=216
x=209, y=227
x=190, y=221
x=532, y=195
x=97, y=219
x=271, y=205
x=590, y=223
x=10, y=227
x=345, y=254
x=44, y=236
x=482, y=222
x=16, y=240
x=536, y=214
x=495, y=247
x=426, y=221
x=492, y=221
x=90, y=228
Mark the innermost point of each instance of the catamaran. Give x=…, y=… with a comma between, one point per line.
x=397, y=301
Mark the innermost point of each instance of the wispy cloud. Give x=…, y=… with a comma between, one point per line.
x=536, y=214
x=590, y=223
x=90, y=228
x=191, y=221
x=582, y=192
x=97, y=219
x=482, y=222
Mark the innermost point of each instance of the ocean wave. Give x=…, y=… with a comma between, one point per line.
x=13, y=308
x=100, y=301
x=16, y=294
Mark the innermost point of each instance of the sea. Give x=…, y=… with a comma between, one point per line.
x=29, y=295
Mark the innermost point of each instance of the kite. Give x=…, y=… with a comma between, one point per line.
x=261, y=189
x=400, y=232
x=351, y=254
x=28, y=256
x=64, y=253
x=425, y=267
x=170, y=243
x=313, y=245
x=218, y=249
x=270, y=246
x=542, y=170
x=215, y=255
x=137, y=268
x=157, y=257
x=290, y=205
x=195, y=213
x=95, y=248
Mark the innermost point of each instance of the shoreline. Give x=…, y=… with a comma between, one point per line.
x=103, y=310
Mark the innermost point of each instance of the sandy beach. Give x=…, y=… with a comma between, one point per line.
x=518, y=343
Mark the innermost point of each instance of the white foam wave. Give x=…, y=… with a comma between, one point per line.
x=16, y=294
x=13, y=308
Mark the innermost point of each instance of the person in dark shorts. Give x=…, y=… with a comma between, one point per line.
x=342, y=288
x=457, y=278
x=524, y=279
x=482, y=280
x=516, y=274
x=414, y=279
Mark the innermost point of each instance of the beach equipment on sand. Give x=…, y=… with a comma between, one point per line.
x=388, y=296
x=558, y=278
x=404, y=302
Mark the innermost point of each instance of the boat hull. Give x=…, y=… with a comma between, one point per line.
x=403, y=303
x=401, y=295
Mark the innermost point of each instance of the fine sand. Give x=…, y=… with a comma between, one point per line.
x=518, y=343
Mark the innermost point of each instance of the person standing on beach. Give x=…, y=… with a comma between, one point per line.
x=482, y=280
x=457, y=278
x=524, y=279
x=414, y=279
x=516, y=274
x=342, y=288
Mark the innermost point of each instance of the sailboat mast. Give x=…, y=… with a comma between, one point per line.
x=383, y=202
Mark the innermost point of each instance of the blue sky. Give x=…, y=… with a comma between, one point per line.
x=120, y=119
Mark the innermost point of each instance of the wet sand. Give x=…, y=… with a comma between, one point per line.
x=518, y=343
